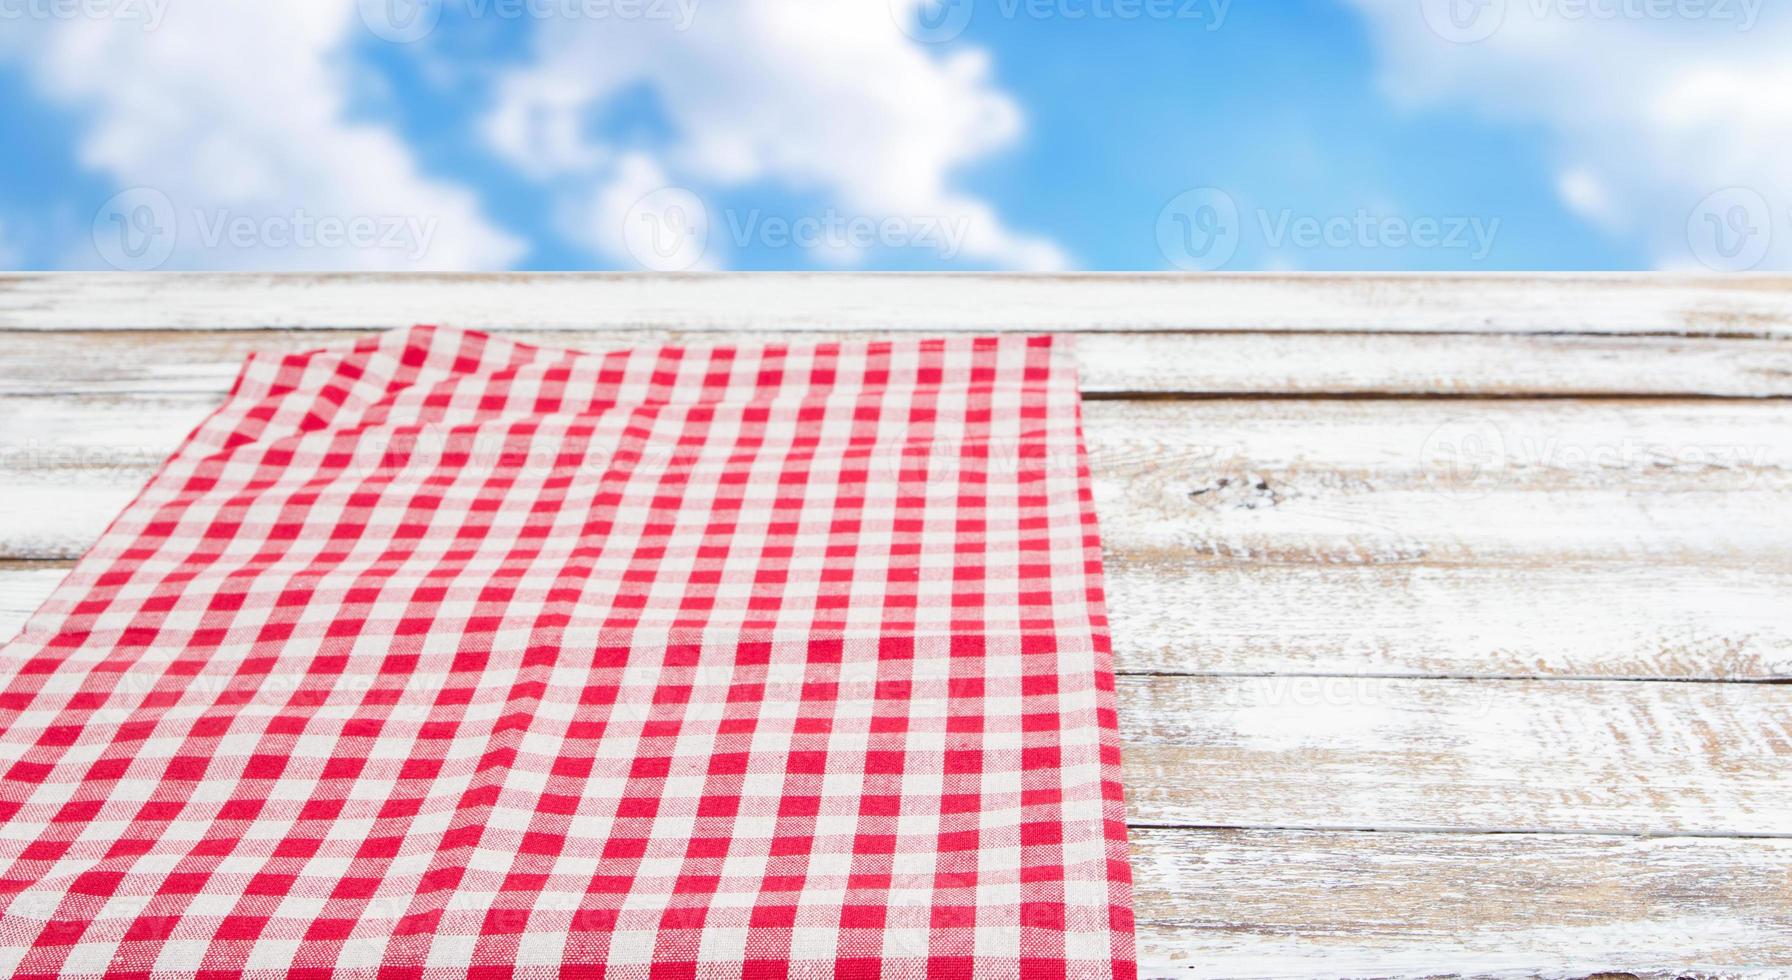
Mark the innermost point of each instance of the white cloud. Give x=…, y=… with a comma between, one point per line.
x=1584, y=192
x=822, y=96
x=234, y=115
x=1655, y=110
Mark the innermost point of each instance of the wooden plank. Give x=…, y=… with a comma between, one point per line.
x=58, y=363
x=1472, y=483
x=23, y=587
x=1236, y=904
x=1579, y=303
x=1367, y=753
x=1366, y=549
x=1612, y=622
x=1606, y=619
x=1288, y=483
x=1359, y=554
x=1657, y=758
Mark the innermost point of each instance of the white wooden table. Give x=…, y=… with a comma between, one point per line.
x=1449, y=611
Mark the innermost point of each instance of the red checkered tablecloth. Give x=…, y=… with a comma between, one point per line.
x=442, y=655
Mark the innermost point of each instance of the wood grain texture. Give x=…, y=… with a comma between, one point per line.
x=1243, y=481
x=1252, y=537
x=1242, y=904
x=1278, y=903
x=1395, y=482
x=62, y=363
x=1655, y=758
x=1386, y=754
x=1598, y=304
x=1640, y=622
x=23, y=587
x=1615, y=757
x=1611, y=619
x=1457, y=559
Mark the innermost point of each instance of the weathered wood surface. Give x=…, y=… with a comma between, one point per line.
x=1250, y=536
x=1445, y=607
x=1231, y=903
x=23, y=587
x=66, y=362
x=1376, y=753
x=1602, y=304
x=1419, y=754
x=1638, y=622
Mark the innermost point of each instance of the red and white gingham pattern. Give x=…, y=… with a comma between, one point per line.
x=443, y=655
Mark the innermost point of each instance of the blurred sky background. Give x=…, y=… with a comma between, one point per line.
x=896, y=134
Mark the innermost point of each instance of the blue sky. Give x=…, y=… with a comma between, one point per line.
x=897, y=134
